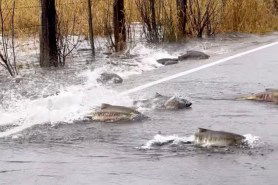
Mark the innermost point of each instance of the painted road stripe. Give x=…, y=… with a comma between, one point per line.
x=150, y=84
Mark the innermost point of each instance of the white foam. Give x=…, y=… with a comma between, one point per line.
x=251, y=140
x=72, y=103
x=160, y=140
x=145, y=61
x=75, y=102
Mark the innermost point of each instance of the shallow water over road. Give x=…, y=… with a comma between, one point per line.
x=94, y=153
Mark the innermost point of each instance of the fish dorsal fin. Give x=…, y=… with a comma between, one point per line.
x=104, y=105
x=157, y=95
x=202, y=130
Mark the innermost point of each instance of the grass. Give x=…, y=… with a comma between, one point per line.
x=249, y=16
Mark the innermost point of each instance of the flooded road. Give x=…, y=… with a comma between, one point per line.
x=96, y=153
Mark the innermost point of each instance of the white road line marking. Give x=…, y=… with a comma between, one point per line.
x=153, y=83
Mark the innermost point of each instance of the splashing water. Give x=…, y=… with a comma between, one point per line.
x=67, y=107
x=72, y=103
x=75, y=102
x=159, y=140
x=252, y=141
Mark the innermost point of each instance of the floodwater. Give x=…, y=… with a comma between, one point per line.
x=82, y=152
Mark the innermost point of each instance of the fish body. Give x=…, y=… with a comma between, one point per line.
x=269, y=95
x=206, y=137
x=113, y=113
x=163, y=102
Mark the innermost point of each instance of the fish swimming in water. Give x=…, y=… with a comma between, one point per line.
x=163, y=102
x=270, y=95
x=206, y=137
x=113, y=113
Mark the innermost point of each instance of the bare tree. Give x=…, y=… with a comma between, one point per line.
x=148, y=15
x=48, y=41
x=91, y=29
x=200, y=15
x=182, y=15
x=153, y=19
x=168, y=29
x=119, y=25
x=68, y=38
x=7, y=51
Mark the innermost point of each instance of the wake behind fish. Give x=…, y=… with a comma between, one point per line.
x=160, y=140
x=71, y=104
x=74, y=102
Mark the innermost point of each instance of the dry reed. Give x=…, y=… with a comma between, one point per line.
x=250, y=16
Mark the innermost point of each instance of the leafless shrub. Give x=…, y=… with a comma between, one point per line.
x=168, y=26
x=272, y=5
x=201, y=16
x=275, y=6
x=106, y=21
x=147, y=12
x=66, y=39
x=130, y=24
x=7, y=51
x=182, y=16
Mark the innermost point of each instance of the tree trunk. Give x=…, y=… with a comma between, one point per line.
x=182, y=10
x=48, y=34
x=119, y=25
x=153, y=21
x=91, y=29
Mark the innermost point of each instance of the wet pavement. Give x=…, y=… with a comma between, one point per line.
x=96, y=153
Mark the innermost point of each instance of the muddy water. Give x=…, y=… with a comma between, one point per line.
x=93, y=153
